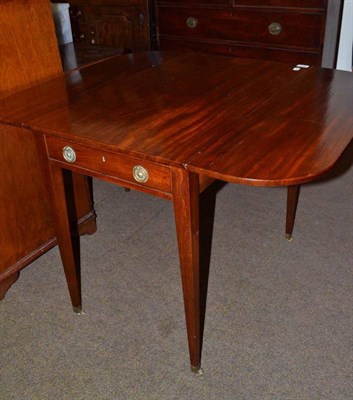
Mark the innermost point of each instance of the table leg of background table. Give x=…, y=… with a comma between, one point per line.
x=185, y=189
x=69, y=255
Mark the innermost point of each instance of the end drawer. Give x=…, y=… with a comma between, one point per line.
x=130, y=169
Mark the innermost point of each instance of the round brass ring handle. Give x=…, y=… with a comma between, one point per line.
x=140, y=174
x=275, y=28
x=192, y=22
x=69, y=154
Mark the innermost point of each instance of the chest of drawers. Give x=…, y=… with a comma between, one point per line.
x=281, y=30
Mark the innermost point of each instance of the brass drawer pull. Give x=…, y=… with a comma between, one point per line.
x=69, y=154
x=192, y=22
x=275, y=28
x=140, y=174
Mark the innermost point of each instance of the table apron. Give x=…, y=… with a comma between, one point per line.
x=112, y=167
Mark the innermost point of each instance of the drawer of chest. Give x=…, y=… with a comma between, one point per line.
x=318, y=4
x=100, y=162
x=293, y=29
x=264, y=53
x=196, y=2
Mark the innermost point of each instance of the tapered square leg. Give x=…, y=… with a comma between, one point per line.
x=66, y=233
x=292, y=203
x=185, y=190
x=69, y=255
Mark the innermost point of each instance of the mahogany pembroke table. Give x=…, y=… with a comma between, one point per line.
x=168, y=124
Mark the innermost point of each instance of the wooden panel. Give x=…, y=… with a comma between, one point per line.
x=27, y=38
x=122, y=25
x=115, y=30
x=26, y=223
x=29, y=55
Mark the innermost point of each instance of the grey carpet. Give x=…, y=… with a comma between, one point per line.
x=279, y=322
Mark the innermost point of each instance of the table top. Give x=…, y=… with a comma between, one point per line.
x=239, y=120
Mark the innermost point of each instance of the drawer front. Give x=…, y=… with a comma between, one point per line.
x=314, y=4
x=292, y=29
x=272, y=54
x=317, y=4
x=198, y=2
x=129, y=169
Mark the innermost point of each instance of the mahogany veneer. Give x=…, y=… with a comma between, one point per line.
x=185, y=119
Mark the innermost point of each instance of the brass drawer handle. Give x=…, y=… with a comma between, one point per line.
x=275, y=28
x=140, y=174
x=69, y=154
x=192, y=22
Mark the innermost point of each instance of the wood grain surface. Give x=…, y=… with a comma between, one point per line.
x=238, y=120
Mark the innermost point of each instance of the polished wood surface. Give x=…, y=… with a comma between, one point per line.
x=29, y=55
x=293, y=138
x=184, y=119
x=238, y=120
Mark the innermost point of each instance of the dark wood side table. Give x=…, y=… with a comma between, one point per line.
x=168, y=123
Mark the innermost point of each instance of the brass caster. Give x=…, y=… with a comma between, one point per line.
x=198, y=371
x=289, y=237
x=79, y=311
